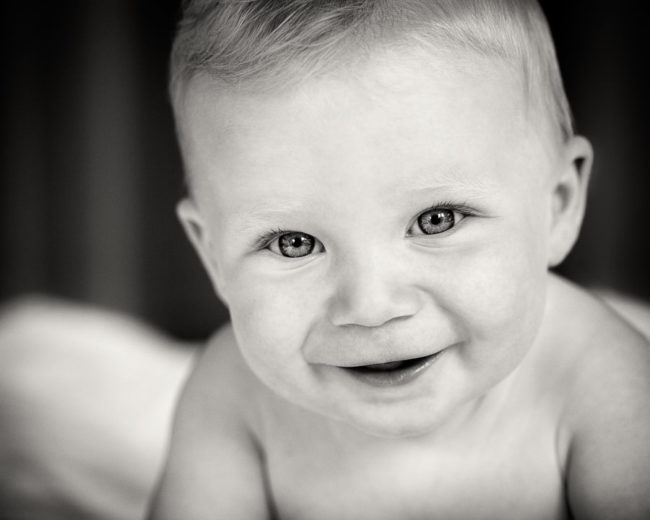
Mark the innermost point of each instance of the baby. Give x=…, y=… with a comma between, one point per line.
x=378, y=190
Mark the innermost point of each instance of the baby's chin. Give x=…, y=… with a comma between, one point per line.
x=391, y=422
x=397, y=428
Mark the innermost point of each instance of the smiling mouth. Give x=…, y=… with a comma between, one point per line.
x=394, y=372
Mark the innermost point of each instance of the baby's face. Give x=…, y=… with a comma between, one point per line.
x=380, y=237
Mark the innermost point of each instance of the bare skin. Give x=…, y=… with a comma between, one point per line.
x=408, y=211
x=565, y=434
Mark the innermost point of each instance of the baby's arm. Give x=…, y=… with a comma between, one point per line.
x=608, y=466
x=214, y=468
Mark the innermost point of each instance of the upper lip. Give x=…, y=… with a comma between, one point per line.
x=346, y=352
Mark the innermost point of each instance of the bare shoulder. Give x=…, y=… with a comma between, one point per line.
x=221, y=385
x=606, y=413
x=214, y=468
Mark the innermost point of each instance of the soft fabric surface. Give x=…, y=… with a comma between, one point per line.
x=86, y=399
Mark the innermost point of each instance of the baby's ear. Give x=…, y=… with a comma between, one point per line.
x=569, y=195
x=196, y=230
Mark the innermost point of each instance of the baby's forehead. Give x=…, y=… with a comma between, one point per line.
x=396, y=122
x=243, y=51
x=388, y=74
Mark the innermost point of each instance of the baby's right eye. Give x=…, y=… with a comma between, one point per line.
x=294, y=244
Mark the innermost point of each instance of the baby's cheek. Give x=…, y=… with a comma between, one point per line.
x=271, y=322
x=500, y=291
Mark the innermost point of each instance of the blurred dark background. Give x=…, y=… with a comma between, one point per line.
x=91, y=171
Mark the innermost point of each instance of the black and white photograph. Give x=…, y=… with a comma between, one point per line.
x=324, y=260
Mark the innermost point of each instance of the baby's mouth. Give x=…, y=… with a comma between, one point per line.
x=392, y=373
x=391, y=365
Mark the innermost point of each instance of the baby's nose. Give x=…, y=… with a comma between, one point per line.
x=372, y=293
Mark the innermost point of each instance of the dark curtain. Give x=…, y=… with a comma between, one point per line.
x=91, y=171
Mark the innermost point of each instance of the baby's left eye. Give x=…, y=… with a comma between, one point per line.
x=295, y=244
x=436, y=221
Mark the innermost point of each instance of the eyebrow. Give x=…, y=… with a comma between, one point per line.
x=261, y=214
x=451, y=179
x=448, y=184
x=468, y=192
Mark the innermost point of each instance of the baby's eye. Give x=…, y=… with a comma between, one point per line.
x=295, y=245
x=435, y=221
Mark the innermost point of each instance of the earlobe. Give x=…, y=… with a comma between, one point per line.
x=199, y=236
x=569, y=194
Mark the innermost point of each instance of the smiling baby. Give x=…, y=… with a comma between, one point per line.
x=377, y=190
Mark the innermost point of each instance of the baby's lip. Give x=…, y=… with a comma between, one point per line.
x=380, y=364
x=350, y=354
x=391, y=374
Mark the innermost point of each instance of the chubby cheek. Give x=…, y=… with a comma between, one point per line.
x=498, y=295
x=271, y=317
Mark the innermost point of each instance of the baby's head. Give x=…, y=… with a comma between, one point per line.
x=377, y=191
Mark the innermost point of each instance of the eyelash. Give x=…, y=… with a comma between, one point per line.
x=461, y=208
x=265, y=240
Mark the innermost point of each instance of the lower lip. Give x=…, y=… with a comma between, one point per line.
x=397, y=377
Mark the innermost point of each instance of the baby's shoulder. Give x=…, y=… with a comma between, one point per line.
x=221, y=386
x=214, y=462
x=598, y=358
x=600, y=352
x=605, y=386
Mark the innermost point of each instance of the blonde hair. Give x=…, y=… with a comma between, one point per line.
x=269, y=43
